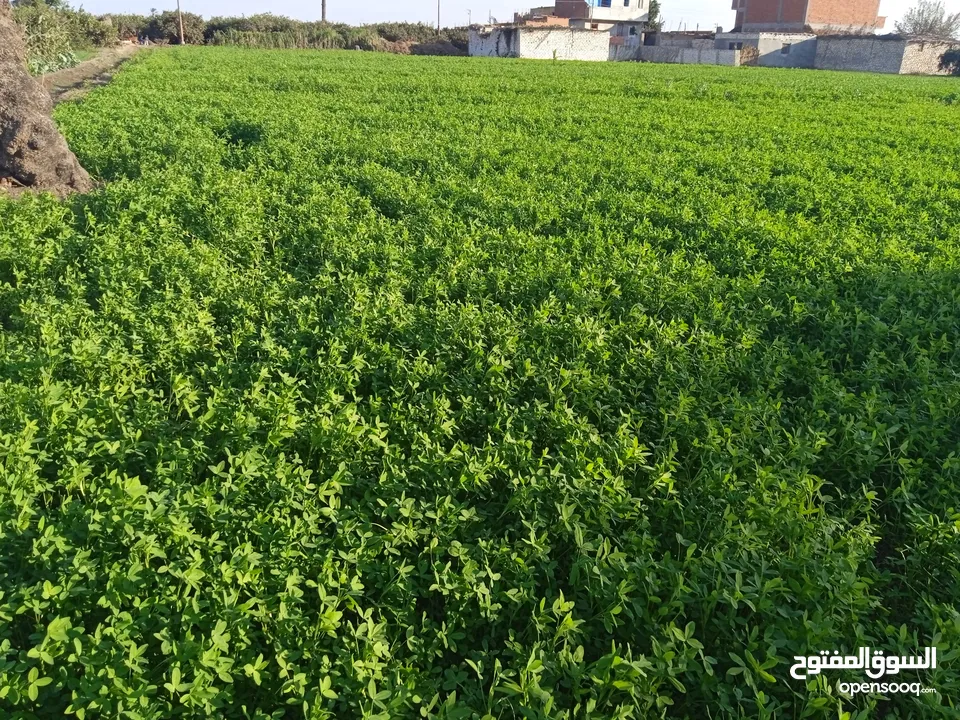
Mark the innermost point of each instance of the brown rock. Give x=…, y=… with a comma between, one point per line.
x=32, y=151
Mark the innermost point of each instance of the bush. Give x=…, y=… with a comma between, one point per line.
x=405, y=32
x=262, y=23
x=87, y=31
x=275, y=31
x=307, y=39
x=47, y=38
x=165, y=27
x=458, y=37
x=81, y=30
x=366, y=38
x=127, y=27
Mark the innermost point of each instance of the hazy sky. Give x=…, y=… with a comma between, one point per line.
x=706, y=13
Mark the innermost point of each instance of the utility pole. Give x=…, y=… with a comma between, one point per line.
x=438, y=18
x=323, y=10
x=183, y=40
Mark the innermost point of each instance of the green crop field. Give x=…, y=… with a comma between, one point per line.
x=382, y=387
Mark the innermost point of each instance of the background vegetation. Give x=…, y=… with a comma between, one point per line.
x=55, y=33
x=929, y=18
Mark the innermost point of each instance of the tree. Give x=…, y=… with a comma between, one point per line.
x=654, y=22
x=33, y=153
x=53, y=4
x=165, y=27
x=929, y=18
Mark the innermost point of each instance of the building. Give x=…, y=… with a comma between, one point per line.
x=540, y=16
x=569, y=30
x=543, y=36
x=687, y=48
x=539, y=42
x=807, y=15
x=618, y=17
x=771, y=49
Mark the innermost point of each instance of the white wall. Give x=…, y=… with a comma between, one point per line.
x=494, y=42
x=543, y=43
x=564, y=44
x=689, y=56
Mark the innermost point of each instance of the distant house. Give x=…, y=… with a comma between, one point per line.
x=771, y=49
x=618, y=17
x=569, y=30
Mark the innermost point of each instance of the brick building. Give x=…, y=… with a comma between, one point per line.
x=816, y=15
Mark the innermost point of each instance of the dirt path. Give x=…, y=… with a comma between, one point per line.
x=73, y=83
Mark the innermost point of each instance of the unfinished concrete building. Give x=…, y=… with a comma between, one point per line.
x=786, y=16
x=621, y=18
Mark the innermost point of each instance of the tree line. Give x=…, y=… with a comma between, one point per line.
x=56, y=33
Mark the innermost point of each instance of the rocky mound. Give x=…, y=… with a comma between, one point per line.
x=33, y=153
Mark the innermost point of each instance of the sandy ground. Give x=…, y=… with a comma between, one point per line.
x=73, y=83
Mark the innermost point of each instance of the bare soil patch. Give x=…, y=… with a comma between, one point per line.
x=73, y=83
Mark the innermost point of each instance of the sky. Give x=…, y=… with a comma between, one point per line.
x=690, y=13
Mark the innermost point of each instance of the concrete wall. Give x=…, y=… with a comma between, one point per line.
x=923, y=58
x=564, y=44
x=693, y=56
x=703, y=41
x=625, y=53
x=540, y=43
x=624, y=48
x=868, y=54
x=494, y=42
x=802, y=52
x=882, y=54
x=588, y=24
